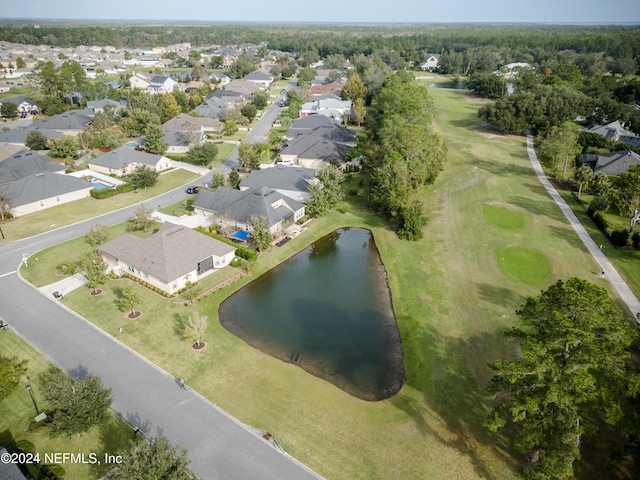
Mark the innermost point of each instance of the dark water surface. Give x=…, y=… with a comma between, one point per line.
x=328, y=310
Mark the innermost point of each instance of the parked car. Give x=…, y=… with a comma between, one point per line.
x=285, y=163
x=283, y=91
x=192, y=190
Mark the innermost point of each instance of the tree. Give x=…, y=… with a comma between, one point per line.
x=584, y=176
x=154, y=460
x=36, y=140
x=93, y=269
x=169, y=106
x=97, y=235
x=20, y=63
x=248, y=156
x=9, y=110
x=307, y=74
x=11, y=371
x=74, y=407
x=217, y=180
x=63, y=147
x=574, y=342
x=143, y=177
x=230, y=126
x=234, y=179
x=625, y=194
x=195, y=328
x=354, y=87
x=143, y=219
x=129, y=300
x=326, y=194
x=260, y=100
x=242, y=66
x=203, y=154
x=4, y=205
x=560, y=145
x=358, y=111
x=260, y=237
x=154, y=139
x=249, y=111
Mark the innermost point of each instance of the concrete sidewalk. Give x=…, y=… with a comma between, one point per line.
x=607, y=267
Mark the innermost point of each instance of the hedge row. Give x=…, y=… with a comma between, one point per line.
x=147, y=285
x=618, y=238
x=242, y=251
x=110, y=192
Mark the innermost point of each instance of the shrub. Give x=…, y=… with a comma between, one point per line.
x=25, y=446
x=53, y=471
x=619, y=238
x=635, y=240
x=599, y=220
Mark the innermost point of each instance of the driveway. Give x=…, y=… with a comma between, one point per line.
x=607, y=267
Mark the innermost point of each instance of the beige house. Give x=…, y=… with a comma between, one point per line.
x=124, y=161
x=140, y=80
x=43, y=190
x=168, y=259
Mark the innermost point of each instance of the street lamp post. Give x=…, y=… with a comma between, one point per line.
x=33, y=399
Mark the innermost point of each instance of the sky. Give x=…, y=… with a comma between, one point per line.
x=345, y=11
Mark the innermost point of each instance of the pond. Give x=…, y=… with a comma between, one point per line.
x=328, y=310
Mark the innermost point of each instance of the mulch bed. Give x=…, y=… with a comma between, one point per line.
x=96, y=293
x=195, y=346
x=134, y=315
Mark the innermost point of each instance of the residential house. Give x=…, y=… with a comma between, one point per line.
x=99, y=105
x=430, y=62
x=185, y=122
x=613, y=163
x=313, y=151
x=511, y=71
x=260, y=77
x=229, y=54
x=43, y=190
x=291, y=182
x=26, y=163
x=18, y=135
x=71, y=122
x=161, y=84
x=123, y=161
x=243, y=87
x=329, y=108
x=234, y=209
x=193, y=85
x=324, y=88
x=220, y=78
x=169, y=258
x=180, y=141
x=9, y=149
x=214, y=104
x=616, y=132
x=140, y=80
x=325, y=127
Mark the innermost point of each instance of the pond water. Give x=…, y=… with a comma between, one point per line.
x=328, y=310
x=454, y=85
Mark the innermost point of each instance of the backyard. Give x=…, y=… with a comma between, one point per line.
x=493, y=238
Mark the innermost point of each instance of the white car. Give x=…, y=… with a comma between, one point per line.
x=285, y=163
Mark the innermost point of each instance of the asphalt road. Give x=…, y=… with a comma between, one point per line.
x=218, y=446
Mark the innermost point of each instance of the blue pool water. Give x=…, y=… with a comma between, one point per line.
x=131, y=144
x=101, y=186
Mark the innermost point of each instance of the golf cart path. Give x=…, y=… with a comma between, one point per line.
x=607, y=267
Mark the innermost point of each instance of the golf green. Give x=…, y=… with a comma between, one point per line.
x=524, y=264
x=502, y=216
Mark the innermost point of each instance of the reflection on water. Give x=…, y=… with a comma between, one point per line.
x=328, y=310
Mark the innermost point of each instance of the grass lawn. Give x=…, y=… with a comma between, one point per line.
x=18, y=412
x=79, y=210
x=452, y=298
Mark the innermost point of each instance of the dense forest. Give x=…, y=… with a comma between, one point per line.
x=409, y=41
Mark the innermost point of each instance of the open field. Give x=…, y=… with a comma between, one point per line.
x=79, y=210
x=452, y=295
x=18, y=412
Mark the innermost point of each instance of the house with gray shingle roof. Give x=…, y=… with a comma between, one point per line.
x=313, y=151
x=18, y=135
x=259, y=77
x=161, y=84
x=71, y=122
x=324, y=127
x=182, y=121
x=123, y=161
x=215, y=103
x=9, y=149
x=613, y=163
x=328, y=107
x=243, y=87
x=26, y=163
x=231, y=208
x=44, y=190
x=616, y=132
x=292, y=182
x=169, y=258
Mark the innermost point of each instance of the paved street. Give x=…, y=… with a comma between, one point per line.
x=607, y=267
x=147, y=397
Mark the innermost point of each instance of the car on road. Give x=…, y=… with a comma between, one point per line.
x=282, y=104
x=283, y=91
x=192, y=190
x=285, y=163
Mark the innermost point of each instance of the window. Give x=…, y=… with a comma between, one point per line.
x=57, y=199
x=131, y=268
x=42, y=203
